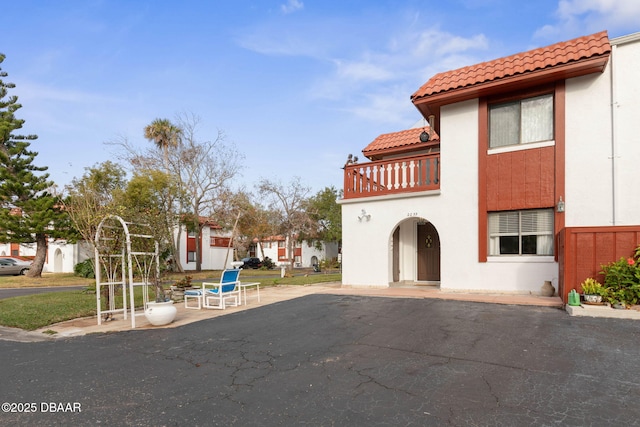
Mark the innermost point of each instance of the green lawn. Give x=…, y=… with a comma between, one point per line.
x=37, y=311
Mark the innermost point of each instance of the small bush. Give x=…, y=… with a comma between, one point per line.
x=267, y=263
x=85, y=269
x=622, y=279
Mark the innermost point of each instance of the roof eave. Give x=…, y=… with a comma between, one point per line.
x=380, y=154
x=431, y=103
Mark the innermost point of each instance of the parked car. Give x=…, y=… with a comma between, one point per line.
x=251, y=263
x=13, y=266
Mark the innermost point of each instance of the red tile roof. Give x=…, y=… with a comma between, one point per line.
x=399, y=141
x=563, y=53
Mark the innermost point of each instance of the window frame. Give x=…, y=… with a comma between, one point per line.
x=494, y=249
x=503, y=101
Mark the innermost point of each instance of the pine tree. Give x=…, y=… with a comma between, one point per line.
x=29, y=212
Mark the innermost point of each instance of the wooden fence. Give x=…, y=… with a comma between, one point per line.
x=583, y=250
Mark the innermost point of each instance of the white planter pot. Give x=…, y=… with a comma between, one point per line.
x=160, y=313
x=593, y=298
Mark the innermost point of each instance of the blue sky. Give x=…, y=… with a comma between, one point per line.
x=295, y=85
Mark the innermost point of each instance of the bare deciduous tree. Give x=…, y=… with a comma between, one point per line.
x=204, y=170
x=288, y=202
x=201, y=169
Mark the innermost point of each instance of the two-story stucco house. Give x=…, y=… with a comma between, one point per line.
x=305, y=253
x=511, y=152
x=215, y=243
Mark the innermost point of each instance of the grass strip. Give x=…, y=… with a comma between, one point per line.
x=36, y=311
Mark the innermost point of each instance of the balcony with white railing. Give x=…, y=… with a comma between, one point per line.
x=392, y=176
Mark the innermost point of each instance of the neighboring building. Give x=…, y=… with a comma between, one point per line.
x=517, y=149
x=305, y=253
x=216, y=251
x=61, y=256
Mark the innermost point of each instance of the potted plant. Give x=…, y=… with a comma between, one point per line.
x=161, y=311
x=592, y=291
x=622, y=279
x=178, y=288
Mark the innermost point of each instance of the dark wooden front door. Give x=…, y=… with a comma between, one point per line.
x=428, y=253
x=396, y=255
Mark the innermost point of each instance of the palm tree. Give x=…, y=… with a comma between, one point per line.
x=165, y=134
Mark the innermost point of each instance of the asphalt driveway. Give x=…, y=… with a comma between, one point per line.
x=337, y=360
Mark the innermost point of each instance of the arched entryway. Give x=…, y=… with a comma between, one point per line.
x=57, y=261
x=415, y=253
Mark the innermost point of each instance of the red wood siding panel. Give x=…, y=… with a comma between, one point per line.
x=505, y=176
x=520, y=182
x=521, y=179
x=532, y=175
x=547, y=177
x=583, y=250
x=492, y=179
x=559, y=170
x=220, y=242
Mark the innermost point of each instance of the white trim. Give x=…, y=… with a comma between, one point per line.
x=520, y=147
x=388, y=197
x=543, y=259
x=629, y=38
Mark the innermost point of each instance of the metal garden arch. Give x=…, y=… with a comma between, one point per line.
x=126, y=257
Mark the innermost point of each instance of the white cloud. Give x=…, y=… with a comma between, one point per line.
x=391, y=108
x=441, y=44
x=580, y=17
x=291, y=6
x=371, y=74
x=362, y=71
x=390, y=72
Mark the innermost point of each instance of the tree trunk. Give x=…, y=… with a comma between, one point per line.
x=41, y=256
x=199, y=249
x=292, y=258
x=177, y=262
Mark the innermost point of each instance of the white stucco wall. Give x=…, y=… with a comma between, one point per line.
x=213, y=257
x=61, y=256
x=328, y=251
x=270, y=251
x=601, y=175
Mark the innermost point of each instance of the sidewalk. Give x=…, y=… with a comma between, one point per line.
x=268, y=295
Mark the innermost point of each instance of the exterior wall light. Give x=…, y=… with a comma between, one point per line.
x=560, y=205
x=364, y=215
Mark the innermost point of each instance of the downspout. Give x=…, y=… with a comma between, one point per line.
x=614, y=106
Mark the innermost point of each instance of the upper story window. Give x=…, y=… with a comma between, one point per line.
x=520, y=122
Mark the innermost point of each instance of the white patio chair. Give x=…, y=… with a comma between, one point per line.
x=216, y=295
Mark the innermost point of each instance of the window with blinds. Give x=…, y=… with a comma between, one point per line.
x=521, y=122
x=528, y=232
